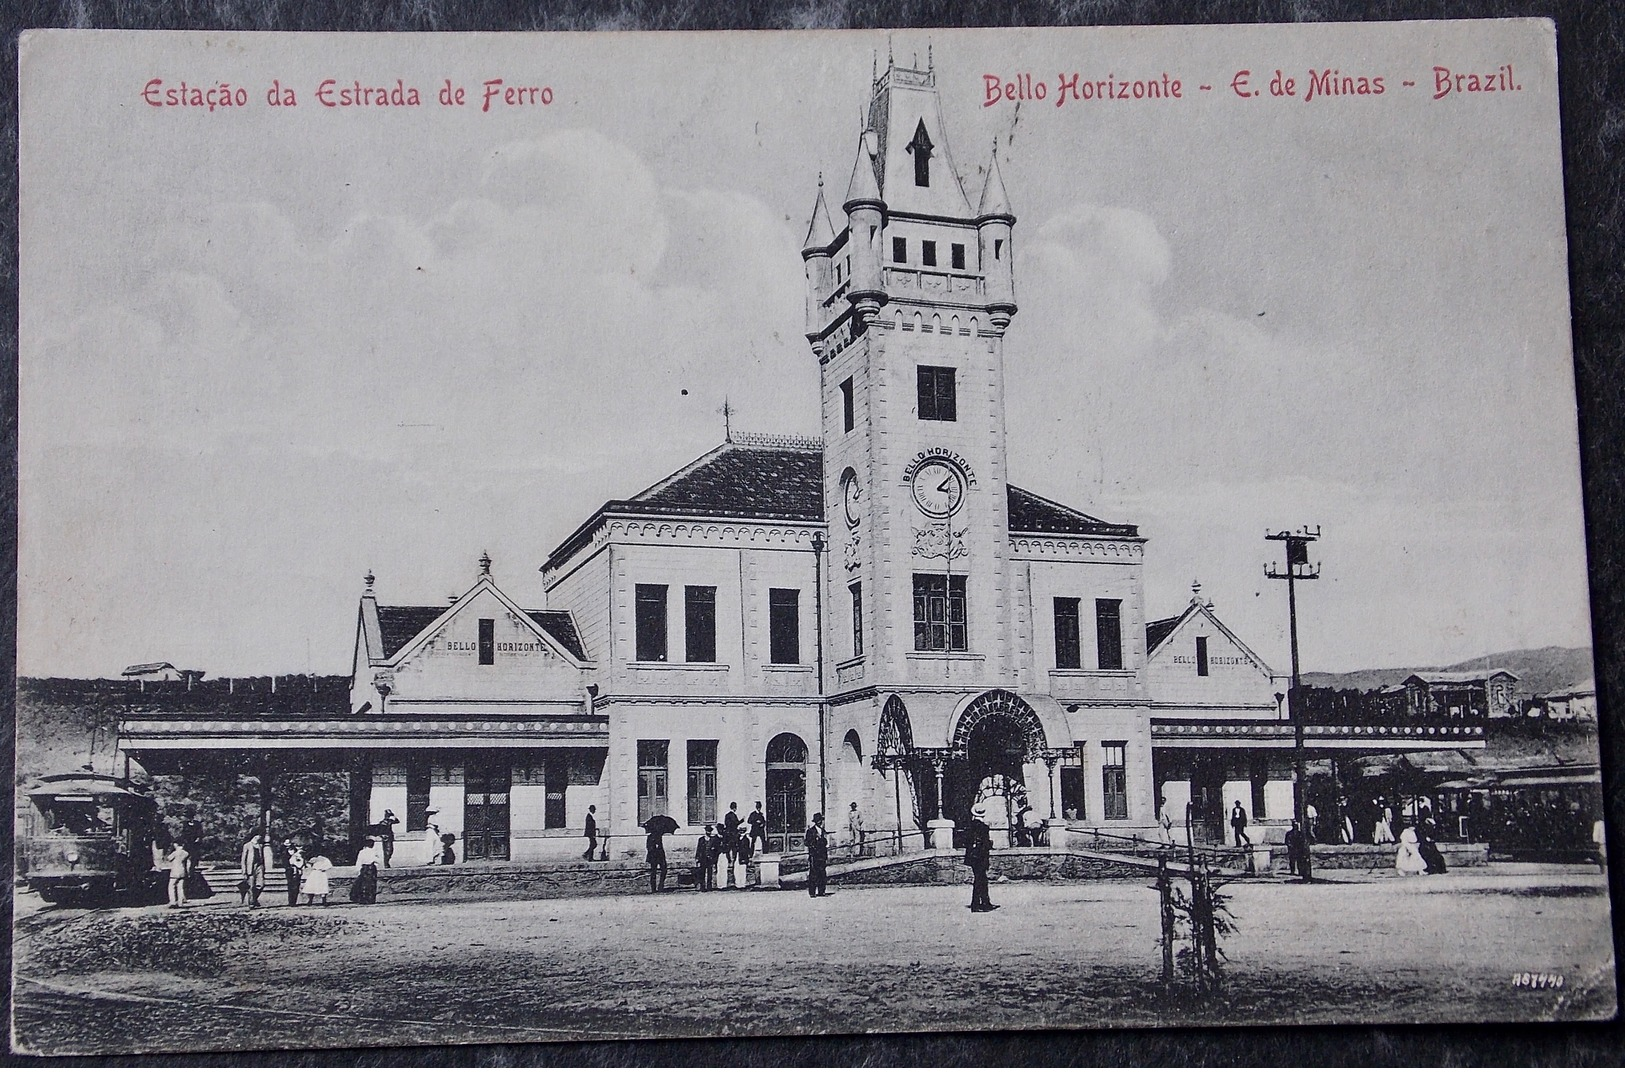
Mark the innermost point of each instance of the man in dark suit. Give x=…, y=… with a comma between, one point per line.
x=592, y=832
x=758, y=826
x=978, y=852
x=1238, y=823
x=705, y=859
x=817, y=857
x=730, y=839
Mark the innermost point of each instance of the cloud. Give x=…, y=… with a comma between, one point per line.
x=480, y=373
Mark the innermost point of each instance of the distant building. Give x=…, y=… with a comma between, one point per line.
x=159, y=672
x=1578, y=704
x=1465, y=694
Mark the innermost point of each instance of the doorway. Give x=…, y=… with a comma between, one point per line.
x=485, y=810
x=786, y=793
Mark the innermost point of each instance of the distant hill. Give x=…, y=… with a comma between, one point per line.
x=1539, y=670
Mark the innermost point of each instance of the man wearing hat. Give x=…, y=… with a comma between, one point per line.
x=386, y=834
x=705, y=859
x=817, y=857
x=978, y=850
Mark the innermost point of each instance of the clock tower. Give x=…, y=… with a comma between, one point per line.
x=907, y=304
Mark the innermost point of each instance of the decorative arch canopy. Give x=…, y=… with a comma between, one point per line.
x=896, y=734
x=1001, y=705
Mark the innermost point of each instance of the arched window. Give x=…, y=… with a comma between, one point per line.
x=853, y=747
x=786, y=750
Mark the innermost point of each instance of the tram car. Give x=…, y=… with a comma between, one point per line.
x=1546, y=813
x=90, y=839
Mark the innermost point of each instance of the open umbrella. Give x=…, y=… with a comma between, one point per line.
x=661, y=824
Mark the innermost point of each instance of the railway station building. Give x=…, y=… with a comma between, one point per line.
x=879, y=615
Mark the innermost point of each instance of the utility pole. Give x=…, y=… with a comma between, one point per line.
x=1297, y=569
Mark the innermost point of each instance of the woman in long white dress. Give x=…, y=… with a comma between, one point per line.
x=1408, y=860
x=432, y=848
x=314, y=882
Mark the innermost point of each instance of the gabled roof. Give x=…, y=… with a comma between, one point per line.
x=1156, y=632
x=1458, y=677
x=1031, y=513
x=781, y=478
x=1167, y=627
x=147, y=668
x=402, y=625
x=561, y=627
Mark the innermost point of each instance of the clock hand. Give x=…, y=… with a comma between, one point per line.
x=944, y=486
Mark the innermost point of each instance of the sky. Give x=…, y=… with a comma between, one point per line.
x=266, y=350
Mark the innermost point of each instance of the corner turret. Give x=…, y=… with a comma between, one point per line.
x=994, y=222
x=866, y=216
x=815, y=252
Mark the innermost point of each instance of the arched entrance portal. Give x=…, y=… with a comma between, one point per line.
x=999, y=735
x=786, y=793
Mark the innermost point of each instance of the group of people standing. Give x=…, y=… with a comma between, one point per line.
x=733, y=840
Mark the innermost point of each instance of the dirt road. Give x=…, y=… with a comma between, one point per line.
x=747, y=963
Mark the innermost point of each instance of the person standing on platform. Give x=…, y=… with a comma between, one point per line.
x=758, y=826
x=730, y=838
x=365, y=888
x=180, y=862
x=293, y=866
x=1238, y=823
x=817, y=857
x=745, y=853
x=386, y=835
x=654, y=851
x=252, y=862
x=431, y=838
x=978, y=854
x=854, y=828
x=315, y=882
x=591, y=832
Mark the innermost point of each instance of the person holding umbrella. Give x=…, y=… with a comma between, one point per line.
x=658, y=826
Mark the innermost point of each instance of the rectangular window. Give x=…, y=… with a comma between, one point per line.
x=939, y=613
x=928, y=254
x=488, y=641
x=1201, y=656
x=1109, y=633
x=1114, y=779
x=899, y=250
x=1260, y=777
x=700, y=623
x=857, y=619
x=651, y=779
x=702, y=782
x=784, y=625
x=417, y=794
x=957, y=250
x=1068, y=651
x=651, y=623
x=938, y=401
x=998, y=249
x=847, y=421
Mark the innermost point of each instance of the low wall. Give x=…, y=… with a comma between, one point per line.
x=951, y=870
x=1377, y=857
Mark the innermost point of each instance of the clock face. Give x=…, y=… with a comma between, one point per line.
x=939, y=488
x=850, y=496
